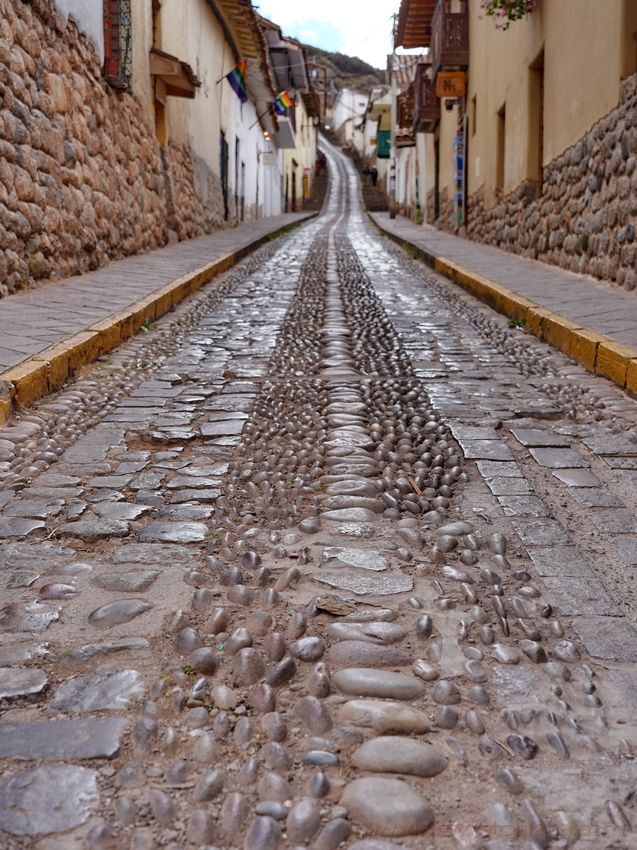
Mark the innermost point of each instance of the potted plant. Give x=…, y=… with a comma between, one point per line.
x=506, y=12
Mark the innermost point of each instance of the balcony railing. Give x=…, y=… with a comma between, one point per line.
x=450, y=36
x=427, y=105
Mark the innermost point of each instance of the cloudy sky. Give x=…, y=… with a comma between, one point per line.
x=356, y=27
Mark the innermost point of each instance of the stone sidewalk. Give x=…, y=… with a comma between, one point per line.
x=48, y=334
x=33, y=320
x=575, y=301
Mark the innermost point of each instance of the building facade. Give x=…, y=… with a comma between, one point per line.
x=531, y=131
x=119, y=131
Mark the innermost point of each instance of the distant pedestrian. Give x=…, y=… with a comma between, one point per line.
x=366, y=174
x=374, y=175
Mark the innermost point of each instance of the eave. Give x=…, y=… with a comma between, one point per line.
x=414, y=23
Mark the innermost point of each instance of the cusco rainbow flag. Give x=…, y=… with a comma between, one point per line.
x=282, y=101
x=237, y=79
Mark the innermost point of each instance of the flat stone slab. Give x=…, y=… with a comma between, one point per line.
x=33, y=508
x=498, y=469
x=120, y=510
x=368, y=682
x=518, y=684
x=206, y=496
x=398, y=754
x=14, y=526
x=560, y=561
x=387, y=806
x=608, y=638
x=595, y=498
x=224, y=428
x=81, y=738
x=174, y=532
x=577, y=477
x=85, y=653
x=579, y=596
x=508, y=486
x=541, y=532
x=32, y=617
x=151, y=553
x=47, y=800
x=21, y=682
x=95, y=529
x=363, y=582
x=559, y=458
x=614, y=521
x=98, y=691
x=607, y=443
x=192, y=482
x=486, y=450
x=366, y=559
x=539, y=438
x=626, y=545
x=129, y=582
x=350, y=515
x=531, y=506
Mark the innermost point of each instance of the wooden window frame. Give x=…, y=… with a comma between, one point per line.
x=118, y=44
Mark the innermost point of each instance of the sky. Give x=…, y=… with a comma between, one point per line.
x=356, y=27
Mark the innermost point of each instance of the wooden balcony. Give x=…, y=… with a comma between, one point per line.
x=450, y=36
x=426, y=104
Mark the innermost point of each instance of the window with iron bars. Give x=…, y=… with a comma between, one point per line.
x=118, y=50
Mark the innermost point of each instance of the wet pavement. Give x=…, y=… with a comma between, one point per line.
x=330, y=557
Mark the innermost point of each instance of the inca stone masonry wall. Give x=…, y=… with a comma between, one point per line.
x=82, y=177
x=585, y=218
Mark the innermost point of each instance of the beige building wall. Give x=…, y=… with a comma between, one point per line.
x=581, y=84
x=185, y=29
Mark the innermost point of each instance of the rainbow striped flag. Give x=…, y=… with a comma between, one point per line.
x=237, y=80
x=282, y=101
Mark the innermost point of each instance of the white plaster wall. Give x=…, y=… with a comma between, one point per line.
x=349, y=104
x=89, y=17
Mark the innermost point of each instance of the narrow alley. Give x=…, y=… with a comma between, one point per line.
x=331, y=555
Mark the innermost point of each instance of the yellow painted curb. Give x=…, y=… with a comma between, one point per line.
x=50, y=369
x=612, y=361
x=597, y=353
x=631, y=376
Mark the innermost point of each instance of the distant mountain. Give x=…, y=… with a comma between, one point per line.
x=349, y=66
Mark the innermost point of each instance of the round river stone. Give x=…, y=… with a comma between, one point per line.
x=399, y=755
x=367, y=682
x=385, y=717
x=387, y=806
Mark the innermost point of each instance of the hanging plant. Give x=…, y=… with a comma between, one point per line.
x=507, y=11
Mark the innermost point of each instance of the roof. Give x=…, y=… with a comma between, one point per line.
x=414, y=23
x=402, y=67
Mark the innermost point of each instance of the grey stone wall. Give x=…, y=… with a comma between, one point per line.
x=584, y=218
x=82, y=177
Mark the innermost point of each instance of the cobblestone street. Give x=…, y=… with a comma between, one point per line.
x=329, y=556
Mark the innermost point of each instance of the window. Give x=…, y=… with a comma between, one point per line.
x=500, y=148
x=118, y=51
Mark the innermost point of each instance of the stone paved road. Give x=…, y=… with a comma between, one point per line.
x=331, y=557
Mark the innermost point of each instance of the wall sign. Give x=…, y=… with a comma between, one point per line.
x=451, y=84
